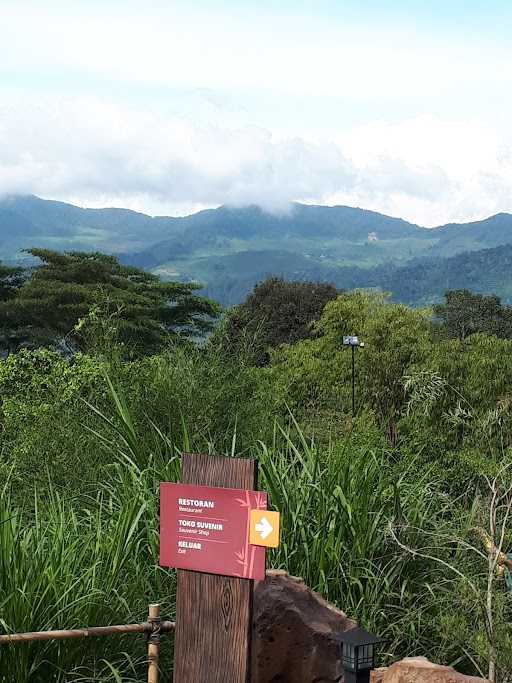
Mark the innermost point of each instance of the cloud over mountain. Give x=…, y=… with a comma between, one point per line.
x=170, y=107
x=97, y=152
x=90, y=149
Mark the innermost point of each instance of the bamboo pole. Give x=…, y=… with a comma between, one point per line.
x=154, y=643
x=93, y=631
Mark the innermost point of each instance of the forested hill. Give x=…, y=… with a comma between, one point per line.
x=28, y=221
x=153, y=241
x=423, y=282
x=315, y=232
x=420, y=282
x=457, y=237
x=230, y=249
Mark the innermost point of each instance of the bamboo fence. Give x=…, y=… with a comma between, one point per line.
x=153, y=628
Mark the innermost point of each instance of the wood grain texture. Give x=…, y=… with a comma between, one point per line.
x=214, y=613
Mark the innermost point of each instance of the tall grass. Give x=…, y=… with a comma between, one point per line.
x=336, y=502
x=94, y=560
x=72, y=566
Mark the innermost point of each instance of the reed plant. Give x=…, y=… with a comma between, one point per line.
x=336, y=501
x=93, y=559
x=69, y=565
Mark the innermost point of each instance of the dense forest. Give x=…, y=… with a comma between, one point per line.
x=108, y=374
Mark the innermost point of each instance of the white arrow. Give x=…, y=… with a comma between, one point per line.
x=264, y=528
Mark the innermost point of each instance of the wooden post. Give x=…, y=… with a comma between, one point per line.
x=154, y=644
x=214, y=613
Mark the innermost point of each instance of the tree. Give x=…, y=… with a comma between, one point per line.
x=464, y=313
x=11, y=279
x=277, y=312
x=62, y=299
x=317, y=372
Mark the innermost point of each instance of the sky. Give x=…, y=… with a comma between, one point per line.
x=169, y=107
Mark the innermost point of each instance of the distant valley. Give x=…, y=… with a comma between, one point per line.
x=229, y=249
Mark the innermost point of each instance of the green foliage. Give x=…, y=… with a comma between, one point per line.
x=45, y=417
x=201, y=396
x=318, y=371
x=275, y=313
x=76, y=566
x=41, y=417
x=336, y=501
x=11, y=278
x=464, y=313
x=84, y=442
x=459, y=410
x=58, y=306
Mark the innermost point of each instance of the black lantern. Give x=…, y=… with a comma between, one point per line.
x=358, y=654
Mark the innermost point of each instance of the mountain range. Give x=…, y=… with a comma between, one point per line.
x=229, y=249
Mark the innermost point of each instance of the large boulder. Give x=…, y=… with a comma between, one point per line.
x=420, y=670
x=294, y=633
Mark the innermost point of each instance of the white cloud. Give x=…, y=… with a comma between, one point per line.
x=85, y=148
x=94, y=152
x=173, y=135
x=431, y=170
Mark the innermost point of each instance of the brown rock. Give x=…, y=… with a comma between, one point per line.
x=420, y=670
x=294, y=631
x=377, y=675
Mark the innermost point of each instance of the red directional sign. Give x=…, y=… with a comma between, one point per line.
x=206, y=529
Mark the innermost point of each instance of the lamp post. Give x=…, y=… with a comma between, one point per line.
x=358, y=654
x=353, y=342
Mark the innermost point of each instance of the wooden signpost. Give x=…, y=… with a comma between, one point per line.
x=213, y=529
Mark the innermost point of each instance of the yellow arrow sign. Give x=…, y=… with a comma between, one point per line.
x=264, y=528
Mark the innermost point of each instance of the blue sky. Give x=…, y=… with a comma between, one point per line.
x=169, y=107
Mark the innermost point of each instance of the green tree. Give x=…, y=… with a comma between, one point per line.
x=276, y=312
x=464, y=313
x=316, y=373
x=11, y=279
x=458, y=416
x=59, y=304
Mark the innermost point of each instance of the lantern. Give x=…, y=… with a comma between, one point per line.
x=358, y=654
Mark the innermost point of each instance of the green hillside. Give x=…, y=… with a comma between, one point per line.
x=422, y=283
x=418, y=283
x=28, y=221
x=229, y=249
x=459, y=237
x=337, y=233
x=332, y=235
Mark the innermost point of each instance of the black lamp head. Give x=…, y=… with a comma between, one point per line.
x=358, y=649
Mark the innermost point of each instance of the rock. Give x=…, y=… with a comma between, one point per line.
x=377, y=675
x=420, y=670
x=293, y=640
